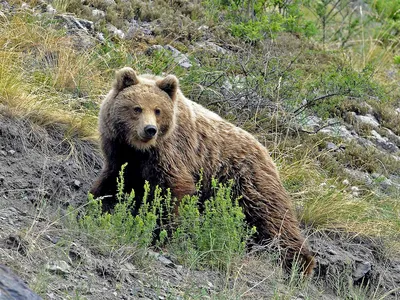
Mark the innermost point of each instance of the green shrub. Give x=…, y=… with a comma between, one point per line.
x=214, y=237
x=121, y=226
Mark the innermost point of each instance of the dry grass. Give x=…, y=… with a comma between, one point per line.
x=325, y=202
x=46, y=79
x=35, y=87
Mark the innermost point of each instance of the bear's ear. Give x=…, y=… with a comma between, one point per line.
x=125, y=78
x=169, y=85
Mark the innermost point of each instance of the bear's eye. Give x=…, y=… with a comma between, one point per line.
x=137, y=109
x=157, y=112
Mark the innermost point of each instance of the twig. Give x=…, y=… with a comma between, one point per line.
x=319, y=129
x=312, y=102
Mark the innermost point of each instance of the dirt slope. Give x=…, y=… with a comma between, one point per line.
x=42, y=172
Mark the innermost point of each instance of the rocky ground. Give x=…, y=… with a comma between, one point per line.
x=42, y=173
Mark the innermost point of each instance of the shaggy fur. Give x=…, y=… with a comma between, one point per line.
x=190, y=138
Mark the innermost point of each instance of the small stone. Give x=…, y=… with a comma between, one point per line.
x=138, y=28
x=362, y=269
x=331, y=251
x=25, y=5
x=98, y=14
x=51, y=10
x=180, y=58
x=311, y=123
x=331, y=146
x=355, y=191
x=77, y=184
x=210, y=46
x=386, y=183
x=205, y=27
x=100, y=37
x=12, y=152
x=59, y=267
x=115, y=31
x=346, y=182
x=3, y=153
x=54, y=240
x=166, y=261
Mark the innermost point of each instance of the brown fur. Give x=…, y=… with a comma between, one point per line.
x=191, y=138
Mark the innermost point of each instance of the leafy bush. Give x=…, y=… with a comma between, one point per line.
x=210, y=236
x=214, y=237
x=252, y=21
x=121, y=226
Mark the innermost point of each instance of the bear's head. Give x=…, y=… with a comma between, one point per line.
x=143, y=107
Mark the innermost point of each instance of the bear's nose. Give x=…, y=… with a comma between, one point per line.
x=150, y=130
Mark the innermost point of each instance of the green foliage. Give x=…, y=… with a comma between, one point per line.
x=121, y=226
x=387, y=8
x=253, y=21
x=337, y=20
x=214, y=237
x=252, y=31
x=210, y=237
x=338, y=83
x=396, y=59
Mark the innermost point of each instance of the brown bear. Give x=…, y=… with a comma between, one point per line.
x=166, y=139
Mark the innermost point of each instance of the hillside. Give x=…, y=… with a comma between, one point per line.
x=315, y=82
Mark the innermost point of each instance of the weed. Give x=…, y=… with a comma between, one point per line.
x=213, y=237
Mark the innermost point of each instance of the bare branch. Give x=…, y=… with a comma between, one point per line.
x=312, y=102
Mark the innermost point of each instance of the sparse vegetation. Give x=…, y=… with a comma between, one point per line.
x=284, y=62
x=214, y=236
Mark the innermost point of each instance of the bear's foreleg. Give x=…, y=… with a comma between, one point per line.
x=105, y=186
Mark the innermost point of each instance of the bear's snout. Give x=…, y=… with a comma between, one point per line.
x=150, y=131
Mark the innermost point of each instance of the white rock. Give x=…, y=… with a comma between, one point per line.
x=207, y=45
x=180, y=58
x=355, y=188
x=367, y=119
x=25, y=5
x=384, y=142
x=311, y=123
x=60, y=267
x=51, y=10
x=98, y=14
x=115, y=31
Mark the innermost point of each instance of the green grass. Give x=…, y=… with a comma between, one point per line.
x=214, y=237
x=65, y=86
x=45, y=78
